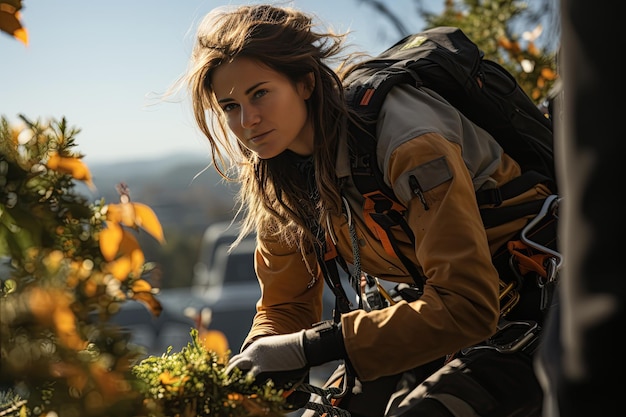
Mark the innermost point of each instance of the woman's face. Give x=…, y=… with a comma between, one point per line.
x=263, y=108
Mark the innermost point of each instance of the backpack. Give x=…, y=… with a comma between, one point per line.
x=446, y=61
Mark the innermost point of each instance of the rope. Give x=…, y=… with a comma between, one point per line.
x=325, y=407
x=355, y=277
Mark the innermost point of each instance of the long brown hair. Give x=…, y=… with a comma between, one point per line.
x=273, y=197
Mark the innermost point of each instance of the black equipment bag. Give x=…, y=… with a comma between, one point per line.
x=446, y=61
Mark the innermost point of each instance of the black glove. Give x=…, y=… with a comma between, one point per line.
x=324, y=343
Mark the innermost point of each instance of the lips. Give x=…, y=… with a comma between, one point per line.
x=258, y=138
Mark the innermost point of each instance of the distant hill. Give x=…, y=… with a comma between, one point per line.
x=182, y=189
x=186, y=196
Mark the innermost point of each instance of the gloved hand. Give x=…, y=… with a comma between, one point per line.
x=279, y=358
x=271, y=355
x=283, y=352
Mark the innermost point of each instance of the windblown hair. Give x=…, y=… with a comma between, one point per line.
x=272, y=199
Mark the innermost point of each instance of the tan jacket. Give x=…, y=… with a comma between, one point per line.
x=418, y=134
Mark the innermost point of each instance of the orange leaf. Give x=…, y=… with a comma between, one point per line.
x=110, y=240
x=123, y=213
x=149, y=300
x=128, y=216
x=504, y=42
x=65, y=324
x=111, y=384
x=72, y=166
x=52, y=307
x=131, y=258
x=548, y=73
x=119, y=268
x=91, y=287
x=42, y=304
x=136, y=215
x=141, y=285
x=21, y=35
x=166, y=378
x=114, y=213
x=129, y=247
x=147, y=220
x=541, y=82
x=10, y=22
x=214, y=340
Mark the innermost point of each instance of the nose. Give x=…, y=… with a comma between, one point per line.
x=250, y=116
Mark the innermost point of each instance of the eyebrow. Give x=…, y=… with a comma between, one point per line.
x=248, y=91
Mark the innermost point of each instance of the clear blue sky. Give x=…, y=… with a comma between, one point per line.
x=98, y=62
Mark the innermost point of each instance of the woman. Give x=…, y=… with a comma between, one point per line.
x=273, y=111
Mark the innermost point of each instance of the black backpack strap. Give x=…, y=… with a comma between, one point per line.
x=499, y=215
x=328, y=258
x=515, y=187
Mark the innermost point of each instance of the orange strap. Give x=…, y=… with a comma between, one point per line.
x=331, y=250
x=369, y=207
x=529, y=260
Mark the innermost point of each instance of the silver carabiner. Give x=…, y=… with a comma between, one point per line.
x=549, y=206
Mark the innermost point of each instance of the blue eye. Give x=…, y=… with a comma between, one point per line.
x=260, y=93
x=229, y=107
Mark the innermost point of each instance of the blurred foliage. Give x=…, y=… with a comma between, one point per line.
x=507, y=31
x=489, y=24
x=10, y=20
x=193, y=382
x=67, y=267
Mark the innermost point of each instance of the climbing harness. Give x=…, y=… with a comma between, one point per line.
x=325, y=408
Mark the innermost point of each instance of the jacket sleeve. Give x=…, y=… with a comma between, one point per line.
x=460, y=304
x=291, y=298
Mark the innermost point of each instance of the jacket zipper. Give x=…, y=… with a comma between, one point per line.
x=417, y=190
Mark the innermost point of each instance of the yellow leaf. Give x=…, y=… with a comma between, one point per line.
x=141, y=285
x=91, y=287
x=166, y=378
x=130, y=248
x=136, y=215
x=127, y=214
x=147, y=220
x=21, y=35
x=131, y=258
x=128, y=243
x=119, y=268
x=114, y=213
x=214, y=340
x=52, y=307
x=72, y=166
x=110, y=240
x=123, y=213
